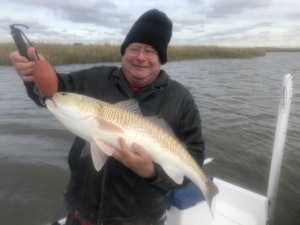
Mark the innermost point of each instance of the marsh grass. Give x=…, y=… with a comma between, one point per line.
x=58, y=54
x=186, y=52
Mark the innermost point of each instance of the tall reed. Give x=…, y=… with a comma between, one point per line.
x=5, y=50
x=78, y=54
x=186, y=52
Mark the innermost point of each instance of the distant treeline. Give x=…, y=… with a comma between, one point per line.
x=58, y=54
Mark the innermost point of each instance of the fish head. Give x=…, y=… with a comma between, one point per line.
x=73, y=106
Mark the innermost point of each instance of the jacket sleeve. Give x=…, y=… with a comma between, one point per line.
x=33, y=93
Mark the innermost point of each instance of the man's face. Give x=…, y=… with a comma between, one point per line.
x=140, y=64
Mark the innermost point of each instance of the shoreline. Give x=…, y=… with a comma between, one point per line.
x=63, y=54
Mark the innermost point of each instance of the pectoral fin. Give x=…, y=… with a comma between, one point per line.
x=109, y=127
x=98, y=156
x=174, y=173
x=107, y=149
x=86, y=150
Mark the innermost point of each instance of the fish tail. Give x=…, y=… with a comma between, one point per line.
x=212, y=191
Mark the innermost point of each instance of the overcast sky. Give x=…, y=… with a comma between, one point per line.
x=250, y=23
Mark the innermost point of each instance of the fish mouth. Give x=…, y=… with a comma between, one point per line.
x=43, y=99
x=49, y=101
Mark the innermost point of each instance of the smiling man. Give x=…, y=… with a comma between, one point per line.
x=130, y=188
x=140, y=64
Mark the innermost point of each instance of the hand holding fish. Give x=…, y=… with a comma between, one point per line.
x=23, y=66
x=138, y=160
x=36, y=69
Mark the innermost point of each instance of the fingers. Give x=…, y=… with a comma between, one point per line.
x=140, y=150
x=25, y=70
x=32, y=54
x=22, y=65
x=137, y=160
x=123, y=155
x=15, y=57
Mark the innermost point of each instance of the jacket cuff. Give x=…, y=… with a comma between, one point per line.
x=33, y=93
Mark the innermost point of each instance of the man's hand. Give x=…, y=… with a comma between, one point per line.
x=22, y=65
x=137, y=160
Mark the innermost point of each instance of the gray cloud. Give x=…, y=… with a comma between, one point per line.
x=195, y=21
x=34, y=27
x=239, y=29
x=224, y=8
x=100, y=13
x=294, y=16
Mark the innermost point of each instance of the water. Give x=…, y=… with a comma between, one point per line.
x=238, y=101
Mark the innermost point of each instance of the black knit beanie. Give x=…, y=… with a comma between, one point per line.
x=153, y=28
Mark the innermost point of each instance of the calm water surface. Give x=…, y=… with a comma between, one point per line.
x=238, y=101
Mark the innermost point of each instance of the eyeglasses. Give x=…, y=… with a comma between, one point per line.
x=135, y=51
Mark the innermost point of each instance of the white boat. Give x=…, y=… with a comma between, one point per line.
x=233, y=205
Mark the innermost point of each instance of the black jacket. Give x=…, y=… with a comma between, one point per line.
x=115, y=191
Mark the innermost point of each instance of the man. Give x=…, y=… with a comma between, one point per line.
x=130, y=188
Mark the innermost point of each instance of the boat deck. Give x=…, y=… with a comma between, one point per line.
x=232, y=206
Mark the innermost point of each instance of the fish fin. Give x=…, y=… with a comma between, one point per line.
x=86, y=150
x=212, y=191
x=174, y=173
x=99, y=157
x=109, y=127
x=130, y=105
x=162, y=124
x=107, y=149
